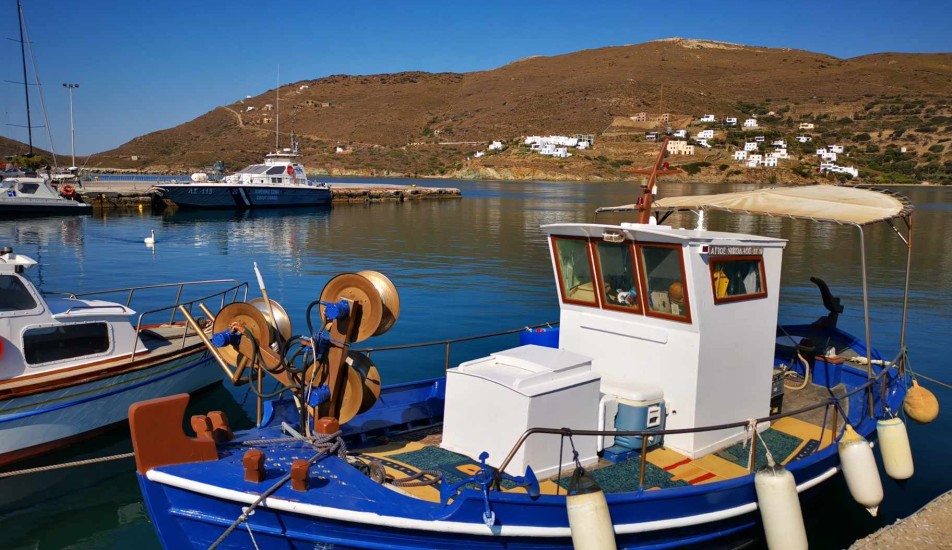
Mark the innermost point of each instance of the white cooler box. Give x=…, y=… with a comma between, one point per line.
x=491, y=402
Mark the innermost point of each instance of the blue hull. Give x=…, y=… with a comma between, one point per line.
x=192, y=505
x=245, y=196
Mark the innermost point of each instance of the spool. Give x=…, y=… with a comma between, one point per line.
x=370, y=378
x=252, y=319
x=894, y=448
x=281, y=325
x=859, y=469
x=376, y=295
x=780, y=508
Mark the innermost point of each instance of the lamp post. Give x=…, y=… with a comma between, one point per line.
x=72, y=132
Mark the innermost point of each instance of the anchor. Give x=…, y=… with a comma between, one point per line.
x=486, y=477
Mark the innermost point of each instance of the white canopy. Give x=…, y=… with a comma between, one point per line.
x=839, y=204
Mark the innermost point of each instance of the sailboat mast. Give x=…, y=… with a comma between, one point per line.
x=26, y=84
x=277, y=112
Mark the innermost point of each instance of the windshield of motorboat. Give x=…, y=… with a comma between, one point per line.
x=28, y=188
x=255, y=169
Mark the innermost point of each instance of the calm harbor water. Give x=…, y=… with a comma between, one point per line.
x=462, y=267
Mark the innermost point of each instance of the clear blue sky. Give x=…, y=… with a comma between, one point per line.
x=147, y=65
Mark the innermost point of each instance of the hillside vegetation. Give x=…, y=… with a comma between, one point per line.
x=891, y=111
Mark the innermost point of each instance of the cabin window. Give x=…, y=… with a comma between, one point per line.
x=14, y=296
x=274, y=170
x=665, y=287
x=616, y=268
x=737, y=278
x=47, y=344
x=29, y=188
x=575, y=270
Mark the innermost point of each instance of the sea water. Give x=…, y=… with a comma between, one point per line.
x=462, y=267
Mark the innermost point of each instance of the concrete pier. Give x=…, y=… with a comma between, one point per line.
x=930, y=527
x=139, y=194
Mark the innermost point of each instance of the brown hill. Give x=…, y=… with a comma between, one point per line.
x=411, y=123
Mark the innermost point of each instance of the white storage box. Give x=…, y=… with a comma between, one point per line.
x=491, y=402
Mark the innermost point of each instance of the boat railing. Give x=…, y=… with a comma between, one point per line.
x=831, y=404
x=226, y=295
x=449, y=342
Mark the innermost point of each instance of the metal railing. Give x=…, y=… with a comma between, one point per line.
x=449, y=342
x=234, y=290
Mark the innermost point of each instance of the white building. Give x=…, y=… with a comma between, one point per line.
x=478, y=154
x=730, y=121
x=651, y=136
x=756, y=158
x=750, y=123
x=496, y=146
x=706, y=134
x=834, y=148
x=829, y=156
x=780, y=153
x=779, y=143
x=703, y=143
x=680, y=134
x=680, y=148
x=740, y=155
x=707, y=118
x=753, y=163
x=751, y=146
x=770, y=162
x=821, y=151
x=806, y=126
x=759, y=139
x=804, y=139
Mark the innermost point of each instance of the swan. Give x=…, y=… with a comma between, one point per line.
x=150, y=240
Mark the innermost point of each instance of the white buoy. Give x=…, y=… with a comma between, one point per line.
x=894, y=448
x=589, y=520
x=860, y=471
x=780, y=508
x=150, y=240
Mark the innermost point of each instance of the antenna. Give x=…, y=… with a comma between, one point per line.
x=26, y=83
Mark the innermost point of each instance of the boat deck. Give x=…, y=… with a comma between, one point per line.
x=787, y=438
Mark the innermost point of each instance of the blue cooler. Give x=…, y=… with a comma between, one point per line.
x=640, y=408
x=547, y=337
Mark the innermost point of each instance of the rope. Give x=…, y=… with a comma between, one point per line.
x=66, y=465
x=933, y=380
x=415, y=481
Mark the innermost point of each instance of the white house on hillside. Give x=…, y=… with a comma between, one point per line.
x=759, y=139
x=835, y=148
x=707, y=118
x=680, y=148
x=806, y=126
x=804, y=139
x=680, y=134
x=750, y=146
x=770, y=162
x=730, y=121
x=496, y=146
x=750, y=123
x=740, y=155
x=705, y=134
x=703, y=143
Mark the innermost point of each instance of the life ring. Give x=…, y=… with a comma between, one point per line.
x=67, y=190
x=290, y=170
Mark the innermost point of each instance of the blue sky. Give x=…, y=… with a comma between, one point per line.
x=147, y=65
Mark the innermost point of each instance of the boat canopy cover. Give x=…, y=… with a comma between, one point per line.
x=832, y=203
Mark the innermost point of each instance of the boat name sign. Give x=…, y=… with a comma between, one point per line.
x=735, y=251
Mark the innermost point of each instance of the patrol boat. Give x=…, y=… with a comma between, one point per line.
x=278, y=182
x=671, y=409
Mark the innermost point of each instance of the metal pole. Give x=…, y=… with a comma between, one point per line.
x=905, y=298
x=26, y=83
x=869, y=343
x=72, y=130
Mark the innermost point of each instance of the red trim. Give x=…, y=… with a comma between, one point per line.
x=684, y=283
x=740, y=297
x=701, y=478
x=558, y=270
x=670, y=467
x=602, y=294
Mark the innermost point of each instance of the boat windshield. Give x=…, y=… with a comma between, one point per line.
x=255, y=169
x=28, y=188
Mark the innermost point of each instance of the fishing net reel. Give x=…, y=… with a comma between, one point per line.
x=324, y=376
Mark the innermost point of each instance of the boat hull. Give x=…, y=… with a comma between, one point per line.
x=39, y=422
x=47, y=207
x=245, y=196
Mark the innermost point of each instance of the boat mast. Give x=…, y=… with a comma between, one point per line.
x=26, y=84
x=277, y=112
x=647, y=189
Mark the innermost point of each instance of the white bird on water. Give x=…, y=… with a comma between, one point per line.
x=150, y=240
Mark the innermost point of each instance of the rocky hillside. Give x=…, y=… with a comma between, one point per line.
x=891, y=111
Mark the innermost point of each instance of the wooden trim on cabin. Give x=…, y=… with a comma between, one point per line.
x=49, y=381
x=686, y=318
x=558, y=270
x=740, y=297
x=636, y=308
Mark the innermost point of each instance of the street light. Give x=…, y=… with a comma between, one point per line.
x=72, y=132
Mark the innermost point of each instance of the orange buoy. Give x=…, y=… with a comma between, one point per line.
x=67, y=190
x=920, y=404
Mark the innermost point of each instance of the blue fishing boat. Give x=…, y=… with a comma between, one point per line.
x=669, y=407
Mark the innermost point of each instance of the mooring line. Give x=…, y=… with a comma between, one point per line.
x=66, y=465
